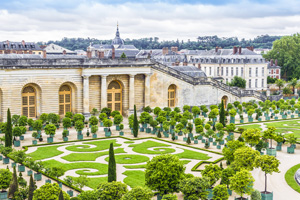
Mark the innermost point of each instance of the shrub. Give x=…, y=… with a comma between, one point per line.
x=50, y=129
x=94, y=129
x=78, y=117
x=148, y=109
x=118, y=119
x=93, y=120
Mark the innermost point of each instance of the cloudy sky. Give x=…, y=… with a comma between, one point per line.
x=43, y=20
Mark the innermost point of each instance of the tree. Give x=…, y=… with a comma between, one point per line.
x=112, y=169
x=188, y=141
x=238, y=82
x=242, y=183
x=49, y=191
x=279, y=83
x=50, y=129
x=5, y=178
x=244, y=158
x=23, y=121
x=251, y=136
x=229, y=150
x=138, y=193
x=287, y=91
x=56, y=172
x=194, y=187
x=31, y=188
x=61, y=196
x=222, y=114
x=8, y=132
x=270, y=134
x=81, y=181
x=14, y=186
x=163, y=173
x=226, y=175
x=89, y=195
x=255, y=195
x=213, y=172
x=293, y=83
x=268, y=164
x=135, y=124
x=112, y=190
x=220, y=192
x=170, y=197
x=123, y=55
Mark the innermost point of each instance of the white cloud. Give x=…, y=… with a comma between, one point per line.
x=164, y=20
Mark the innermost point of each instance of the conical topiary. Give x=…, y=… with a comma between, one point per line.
x=112, y=174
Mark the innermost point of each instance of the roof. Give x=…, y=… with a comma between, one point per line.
x=117, y=40
x=190, y=70
x=13, y=56
x=8, y=45
x=228, y=52
x=273, y=66
x=56, y=49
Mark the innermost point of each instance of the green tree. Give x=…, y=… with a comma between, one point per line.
x=163, y=173
x=238, y=82
x=31, y=188
x=194, y=188
x=251, y=136
x=56, y=172
x=61, y=196
x=80, y=181
x=293, y=83
x=242, y=183
x=244, y=158
x=49, y=191
x=14, y=185
x=123, y=56
x=23, y=121
x=255, y=195
x=279, y=83
x=170, y=197
x=135, y=124
x=287, y=91
x=66, y=122
x=231, y=147
x=268, y=164
x=270, y=134
x=138, y=193
x=5, y=178
x=220, y=192
x=112, y=190
x=50, y=129
x=222, y=114
x=112, y=169
x=226, y=175
x=213, y=172
x=89, y=195
x=8, y=132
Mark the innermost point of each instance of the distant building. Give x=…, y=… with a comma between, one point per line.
x=113, y=50
x=8, y=47
x=54, y=49
x=274, y=70
x=80, y=52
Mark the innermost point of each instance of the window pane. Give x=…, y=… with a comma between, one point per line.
x=109, y=96
x=117, y=96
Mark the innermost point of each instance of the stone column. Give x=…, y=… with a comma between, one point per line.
x=147, y=89
x=103, y=91
x=86, y=93
x=131, y=92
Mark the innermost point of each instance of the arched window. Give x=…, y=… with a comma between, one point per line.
x=65, y=103
x=114, y=96
x=225, y=100
x=171, y=96
x=29, y=102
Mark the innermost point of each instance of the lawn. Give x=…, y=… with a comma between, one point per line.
x=100, y=145
x=143, y=148
x=129, y=159
x=135, y=166
x=129, y=142
x=290, y=178
x=252, y=126
x=285, y=124
x=89, y=156
x=193, y=155
x=94, y=182
x=134, y=178
x=45, y=152
x=81, y=166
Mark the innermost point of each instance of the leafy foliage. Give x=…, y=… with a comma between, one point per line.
x=242, y=182
x=49, y=191
x=194, y=188
x=138, y=193
x=111, y=190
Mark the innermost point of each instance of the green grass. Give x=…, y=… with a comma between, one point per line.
x=102, y=168
x=94, y=182
x=193, y=155
x=129, y=159
x=134, y=178
x=143, y=148
x=89, y=156
x=185, y=161
x=134, y=166
x=290, y=124
x=252, y=126
x=290, y=178
x=129, y=142
x=45, y=152
x=100, y=145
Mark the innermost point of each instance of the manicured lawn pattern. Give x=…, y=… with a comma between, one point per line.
x=290, y=178
x=134, y=178
x=100, y=145
x=89, y=156
x=129, y=159
x=135, y=166
x=193, y=155
x=143, y=148
x=45, y=152
x=252, y=126
x=94, y=182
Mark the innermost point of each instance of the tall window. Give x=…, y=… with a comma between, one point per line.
x=114, y=96
x=226, y=71
x=231, y=71
x=171, y=96
x=262, y=83
x=222, y=70
x=249, y=83
x=263, y=71
x=242, y=72
x=218, y=71
x=210, y=71
x=65, y=104
x=237, y=71
x=29, y=102
x=256, y=83
x=249, y=72
x=256, y=71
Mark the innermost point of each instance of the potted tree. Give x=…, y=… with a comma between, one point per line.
x=121, y=133
x=65, y=135
x=195, y=111
x=34, y=135
x=153, y=124
x=56, y=172
x=78, y=117
x=242, y=183
x=230, y=128
x=37, y=125
x=17, y=132
x=291, y=139
x=37, y=166
x=67, y=123
x=213, y=172
x=118, y=119
x=268, y=164
x=19, y=157
x=166, y=128
x=93, y=121
x=270, y=134
x=102, y=117
x=23, y=131
x=179, y=127
x=94, y=130
x=50, y=130
x=5, y=151
x=23, y=121
x=79, y=127
x=276, y=114
x=250, y=113
x=225, y=178
x=107, y=124
x=30, y=124
x=5, y=179
x=232, y=113
x=107, y=111
x=279, y=138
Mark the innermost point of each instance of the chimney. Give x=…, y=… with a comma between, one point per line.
x=276, y=62
x=23, y=43
x=89, y=53
x=30, y=52
x=64, y=52
x=44, y=54
x=184, y=63
x=7, y=42
x=199, y=66
x=240, y=50
x=174, y=49
x=165, y=50
x=216, y=50
x=252, y=48
x=113, y=55
x=100, y=54
x=234, y=50
x=271, y=62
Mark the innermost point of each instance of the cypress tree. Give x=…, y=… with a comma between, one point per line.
x=31, y=188
x=188, y=141
x=158, y=134
x=8, y=132
x=222, y=114
x=135, y=124
x=112, y=174
x=61, y=196
x=14, y=186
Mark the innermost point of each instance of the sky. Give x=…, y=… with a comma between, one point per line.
x=44, y=20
